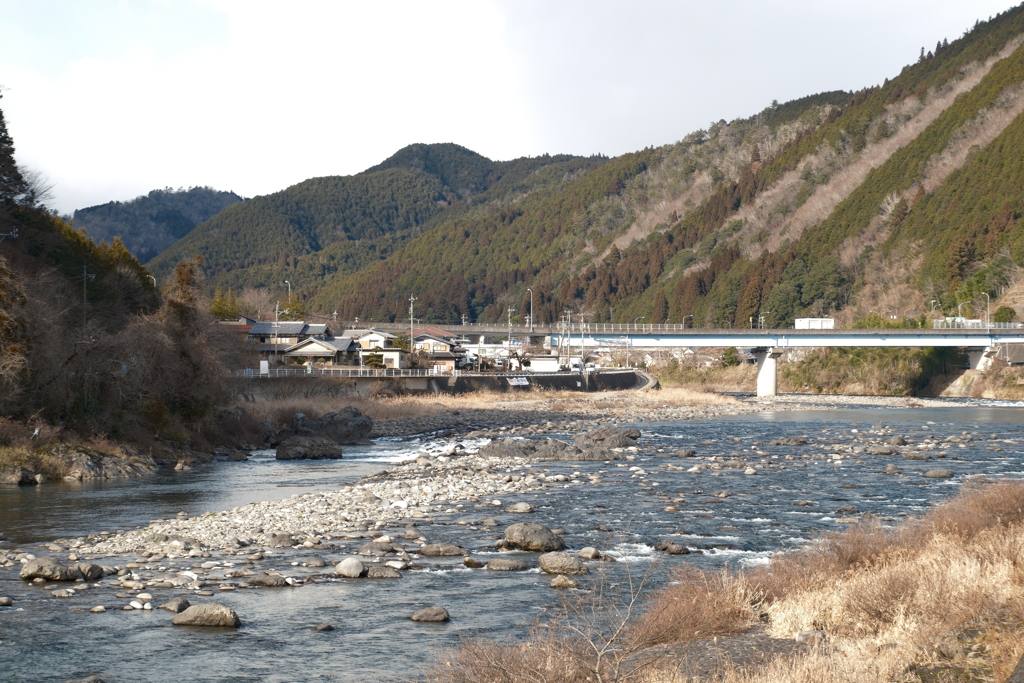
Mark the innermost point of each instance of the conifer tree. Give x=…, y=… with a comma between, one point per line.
x=12, y=183
x=660, y=309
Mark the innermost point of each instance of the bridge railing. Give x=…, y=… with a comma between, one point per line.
x=963, y=324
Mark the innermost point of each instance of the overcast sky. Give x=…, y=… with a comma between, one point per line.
x=112, y=98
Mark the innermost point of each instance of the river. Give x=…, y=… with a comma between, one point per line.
x=49, y=639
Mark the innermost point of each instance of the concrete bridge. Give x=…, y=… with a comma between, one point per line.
x=766, y=344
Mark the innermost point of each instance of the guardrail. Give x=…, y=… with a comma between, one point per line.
x=255, y=373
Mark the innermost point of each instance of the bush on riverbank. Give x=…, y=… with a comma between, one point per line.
x=938, y=598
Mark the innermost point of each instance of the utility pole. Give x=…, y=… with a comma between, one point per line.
x=412, y=323
x=531, y=308
x=12, y=234
x=988, y=310
x=509, y=358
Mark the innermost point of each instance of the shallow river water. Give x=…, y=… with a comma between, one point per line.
x=48, y=639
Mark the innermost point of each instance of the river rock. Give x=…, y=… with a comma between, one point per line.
x=563, y=581
x=881, y=449
x=530, y=536
x=562, y=563
x=896, y=440
x=938, y=474
x=503, y=564
x=316, y=562
x=608, y=437
x=376, y=549
x=506, y=449
x=177, y=605
x=14, y=474
x=6, y=602
x=279, y=541
x=590, y=553
x=434, y=613
x=892, y=469
x=472, y=563
x=265, y=580
x=916, y=455
x=322, y=628
x=519, y=508
x=790, y=441
x=88, y=570
x=384, y=572
x=347, y=426
x=685, y=453
x=308, y=448
x=350, y=567
x=90, y=679
x=208, y=614
x=64, y=593
x=442, y=550
x=49, y=569
x=672, y=548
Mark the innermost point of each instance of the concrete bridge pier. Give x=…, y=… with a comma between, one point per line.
x=981, y=358
x=767, y=370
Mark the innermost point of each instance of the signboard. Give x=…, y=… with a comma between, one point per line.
x=264, y=368
x=518, y=381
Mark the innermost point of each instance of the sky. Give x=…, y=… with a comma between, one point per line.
x=109, y=99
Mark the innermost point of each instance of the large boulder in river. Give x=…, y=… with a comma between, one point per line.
x=553, y=449
x=530, y=536
x=49, y=569
x=508, y=448
x=308, y=448
x=435, y=613
x=347, y=426
x=350, y=568
x=88, y=570
x=562, y=563
x=442, y=550
x=15, y=474
x=208, y=614
x=608, y=437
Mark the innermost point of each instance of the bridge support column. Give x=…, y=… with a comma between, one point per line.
x=980, y=358
x=767, y=370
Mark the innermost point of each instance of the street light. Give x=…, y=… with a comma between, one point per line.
x=958, y=308
x=988, y=310
x=933, y=302
x=643, y=317
x=684, y=320
x=531, y=308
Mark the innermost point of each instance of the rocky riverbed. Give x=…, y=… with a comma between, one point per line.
x=438, y=527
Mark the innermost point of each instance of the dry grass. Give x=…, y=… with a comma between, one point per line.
x=697, y=605
x=940, y=598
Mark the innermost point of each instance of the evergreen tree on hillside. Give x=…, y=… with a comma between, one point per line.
x=12, y=184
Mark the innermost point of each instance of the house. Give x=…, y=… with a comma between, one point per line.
x=375, y=344
x=343, y=350
x=443, y=353
x=275, y=336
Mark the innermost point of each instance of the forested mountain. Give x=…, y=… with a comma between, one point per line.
x=330, y=226
x=149, y=224
x=892, y=199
